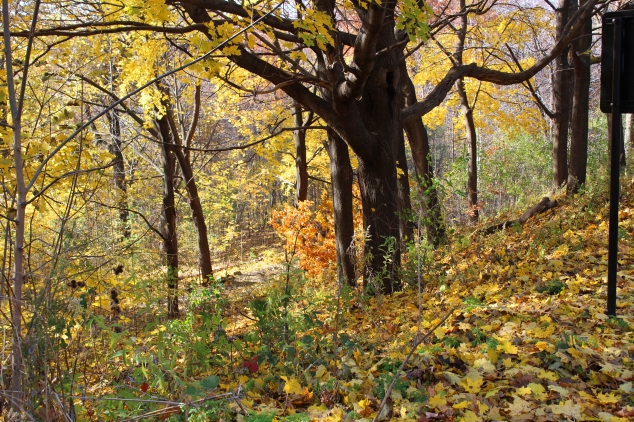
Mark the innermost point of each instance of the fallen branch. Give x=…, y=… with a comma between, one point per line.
x=544, y=205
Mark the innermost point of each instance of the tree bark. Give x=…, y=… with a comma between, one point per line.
x=419, y=144
x=562, y=100
x=193, y=198
x=198, y=216
x=581, y=104
x=170, y=240
x=301, y=170
x=471, y=137
x=467, y=112
x=405, y=226
x=342, y=178
x=116, y=148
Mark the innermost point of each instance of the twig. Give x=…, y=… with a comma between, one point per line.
x=236, y=397
x=417, y=342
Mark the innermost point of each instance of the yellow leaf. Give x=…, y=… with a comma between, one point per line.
x=541, y=345
x=484, y=364
x=562, y=391
x=336, y=415
x=505, y=346
x=538, y=390
x=469, y=416
x=292, y=386
x=523, y=391
x=519, y=406
x=472, y=382
x=462, y=405
x=321, y=371
x=568, y=408
x=608, y=417
x=440, y=332
x=437, y=401
x=548, y=375
x=607, y=398
x=626, y=387
x=545, y=332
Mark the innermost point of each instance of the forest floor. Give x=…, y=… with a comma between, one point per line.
x=507, y=327
x=526, y=337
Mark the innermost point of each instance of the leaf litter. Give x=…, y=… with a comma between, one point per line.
x=529, y=339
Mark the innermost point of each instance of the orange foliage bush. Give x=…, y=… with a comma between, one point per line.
x=309, y=234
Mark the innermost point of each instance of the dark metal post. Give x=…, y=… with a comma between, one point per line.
x=615, y=167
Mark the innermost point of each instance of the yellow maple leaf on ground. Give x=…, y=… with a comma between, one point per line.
x=567, y=408
x=292, y=386
x=437, y=401
x=607, y=398
x=462, y=405
x=472, y=382
x=506, y=346
x=519, y=406
x=469, y=416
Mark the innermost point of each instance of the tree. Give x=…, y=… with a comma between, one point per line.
x=342, y=179
x=467, y=111
x=562, y=99
x=359, y=50
x=580, y=54
x=301, y=166
x=365, y=93
x=419, y=144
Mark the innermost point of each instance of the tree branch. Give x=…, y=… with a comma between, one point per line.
x=531, y=89
x=472, y=70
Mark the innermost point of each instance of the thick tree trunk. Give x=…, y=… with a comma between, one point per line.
x=377, y=180
x=116, y=149
x=579, y=132
x=301, y=170
x=341, y=177
x=419, y=144
x=376, y=147
x=406, y=229
x=562, y=101
x=170, y=240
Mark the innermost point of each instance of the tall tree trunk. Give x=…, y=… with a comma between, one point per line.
x=467, y=112
x=470, y=130
x=116, y=148
x=193, y=198
x=581, y=103
x=17, y=357
x=198, y=215
x=170, y=240
x=562, y=101
x=419, y=144
x=341, y=177
x=406, y=229
x=301, y=170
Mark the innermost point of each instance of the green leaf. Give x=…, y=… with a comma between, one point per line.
x=210, y=382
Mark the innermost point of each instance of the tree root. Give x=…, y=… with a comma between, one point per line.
x=544, y=205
